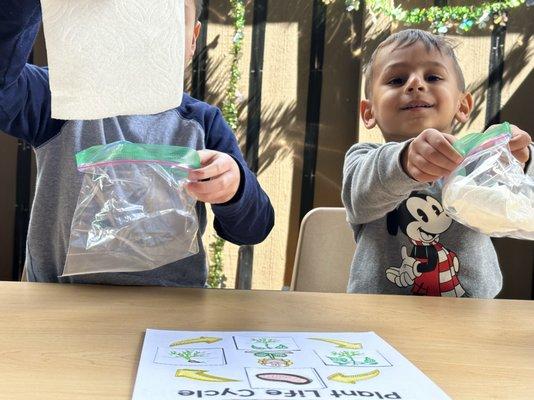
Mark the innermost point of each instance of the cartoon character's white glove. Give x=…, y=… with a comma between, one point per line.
x=406, y=273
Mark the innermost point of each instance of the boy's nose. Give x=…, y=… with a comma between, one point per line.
x=415, y=83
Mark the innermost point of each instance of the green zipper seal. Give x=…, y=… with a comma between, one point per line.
x=468, y=143
x=127, y=151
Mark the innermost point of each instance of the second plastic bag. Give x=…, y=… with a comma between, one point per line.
x=489, y=191
x=133, y=212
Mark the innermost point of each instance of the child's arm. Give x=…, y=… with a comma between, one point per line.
x=374, y=182
x=243, y=212
x=529, y=165
x=24, y=89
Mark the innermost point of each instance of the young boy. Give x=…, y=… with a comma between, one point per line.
x=406, y=243
x=243, y=213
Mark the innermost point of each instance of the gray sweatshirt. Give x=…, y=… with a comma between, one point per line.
x=406, y=243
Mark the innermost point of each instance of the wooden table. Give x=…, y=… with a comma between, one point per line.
x=67, y=342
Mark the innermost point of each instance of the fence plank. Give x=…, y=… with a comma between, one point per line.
x=313, y=112
x=245, y=259
x=22, y=204
x=495, y=75
x=201, y=57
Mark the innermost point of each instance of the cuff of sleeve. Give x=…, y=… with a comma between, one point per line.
x=391, y=173
x=529, y=165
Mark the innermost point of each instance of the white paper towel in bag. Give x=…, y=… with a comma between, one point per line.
x=114, y=57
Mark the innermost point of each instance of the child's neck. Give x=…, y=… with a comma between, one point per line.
x=397, y=138
x=392, y=137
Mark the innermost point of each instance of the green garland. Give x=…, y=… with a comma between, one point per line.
x=441, y=19
x=216, y=277
x=229, y=108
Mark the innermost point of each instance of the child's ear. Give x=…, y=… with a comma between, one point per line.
x=367, y=115
x=196, y=34
x=466, y=106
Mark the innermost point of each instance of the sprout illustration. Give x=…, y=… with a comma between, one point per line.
x=188, y=355
x=266, y=343
x=369, y=361
x=343, y=357
x=272, y=355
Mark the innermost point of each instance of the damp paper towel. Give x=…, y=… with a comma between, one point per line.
x=114, y=57
x=492, y=210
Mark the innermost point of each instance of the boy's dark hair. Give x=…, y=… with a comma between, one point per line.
x=198, y=8
x=407, y=38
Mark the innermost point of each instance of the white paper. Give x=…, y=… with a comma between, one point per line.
x=114, y=57
x=276, y=365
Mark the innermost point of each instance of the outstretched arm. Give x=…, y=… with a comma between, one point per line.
x=374, y=182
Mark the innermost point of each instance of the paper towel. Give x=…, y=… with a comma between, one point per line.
x=114, y=57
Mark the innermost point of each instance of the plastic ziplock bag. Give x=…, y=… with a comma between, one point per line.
x=133, y=211
x=489, y=191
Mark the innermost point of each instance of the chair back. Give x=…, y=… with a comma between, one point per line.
x=325, y=250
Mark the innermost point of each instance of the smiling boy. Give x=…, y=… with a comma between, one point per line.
x=406, y=243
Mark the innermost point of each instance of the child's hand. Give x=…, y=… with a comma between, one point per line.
x=519, y=144
x=430, y=156
x=217, y=180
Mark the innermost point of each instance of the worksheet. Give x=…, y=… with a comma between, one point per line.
x=178, y=365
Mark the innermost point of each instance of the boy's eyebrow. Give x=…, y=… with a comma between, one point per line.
x=402, y=64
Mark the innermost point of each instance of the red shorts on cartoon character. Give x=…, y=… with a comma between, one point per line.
x=442, y=280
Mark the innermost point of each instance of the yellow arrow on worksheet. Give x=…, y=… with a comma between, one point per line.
x=201, y=375
x=202, y=339
x=341, y=343
x=339, y=377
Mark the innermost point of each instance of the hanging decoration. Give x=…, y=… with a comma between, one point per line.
x=442, y=20
x=216, y=277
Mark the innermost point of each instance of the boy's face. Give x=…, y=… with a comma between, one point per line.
x=192, y=30
x=413, y=89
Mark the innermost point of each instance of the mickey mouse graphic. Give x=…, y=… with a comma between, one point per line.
x=430, y=269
